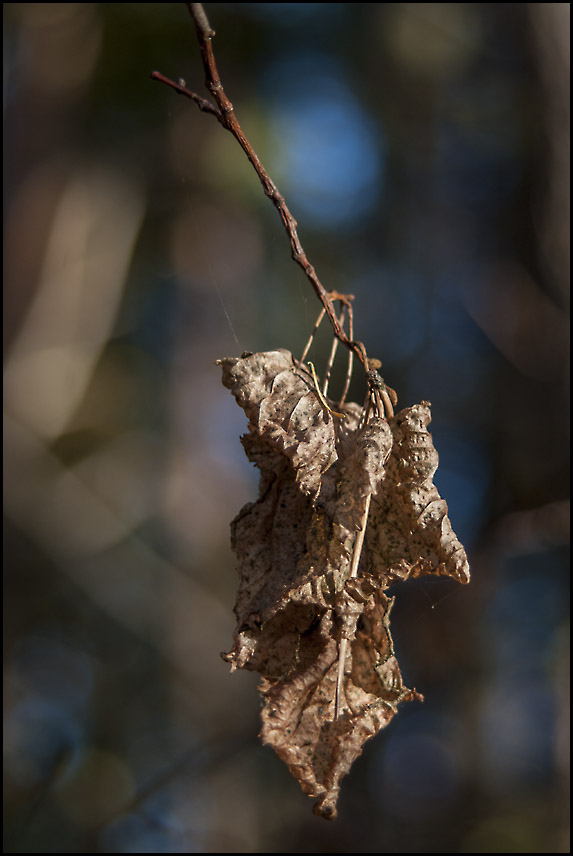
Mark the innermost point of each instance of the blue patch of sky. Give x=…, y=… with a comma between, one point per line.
x=329, y=153
x=224, y=423
x=396, y=323
x=463, y=479
x=457, y=363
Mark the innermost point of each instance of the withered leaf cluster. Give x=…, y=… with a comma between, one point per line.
x=303, y=603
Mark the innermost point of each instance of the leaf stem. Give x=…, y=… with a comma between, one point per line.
x=343, y=647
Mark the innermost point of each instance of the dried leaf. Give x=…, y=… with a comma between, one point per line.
x=306, y=598
x=409, y=532
x=283, y=408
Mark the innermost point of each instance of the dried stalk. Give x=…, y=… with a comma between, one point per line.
x=343, y=647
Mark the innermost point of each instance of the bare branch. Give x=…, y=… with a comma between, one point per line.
x=226, y=116
x=180, y=88
x=202, y=26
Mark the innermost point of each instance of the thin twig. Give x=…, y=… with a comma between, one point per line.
x=343, y=647
x=350, y=356
x=226, y=116
x=321, y=397
x=333, y=350
x=180, y=87
x=312, y=335
x=342, y=651
x=346, y=300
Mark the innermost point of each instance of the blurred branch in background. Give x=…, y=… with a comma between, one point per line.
x=80, y=286
x=551, y=30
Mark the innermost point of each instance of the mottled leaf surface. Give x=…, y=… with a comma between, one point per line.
x=297, y=599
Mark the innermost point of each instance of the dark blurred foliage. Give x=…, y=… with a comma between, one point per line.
x=424, y=149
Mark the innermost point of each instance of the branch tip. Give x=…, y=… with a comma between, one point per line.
x=202, y=25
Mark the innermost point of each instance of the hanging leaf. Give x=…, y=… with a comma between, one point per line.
x=312, y=616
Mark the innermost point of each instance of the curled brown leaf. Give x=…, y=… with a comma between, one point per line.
x=310, y=609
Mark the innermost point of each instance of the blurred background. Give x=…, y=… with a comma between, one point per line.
x=424, y=150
